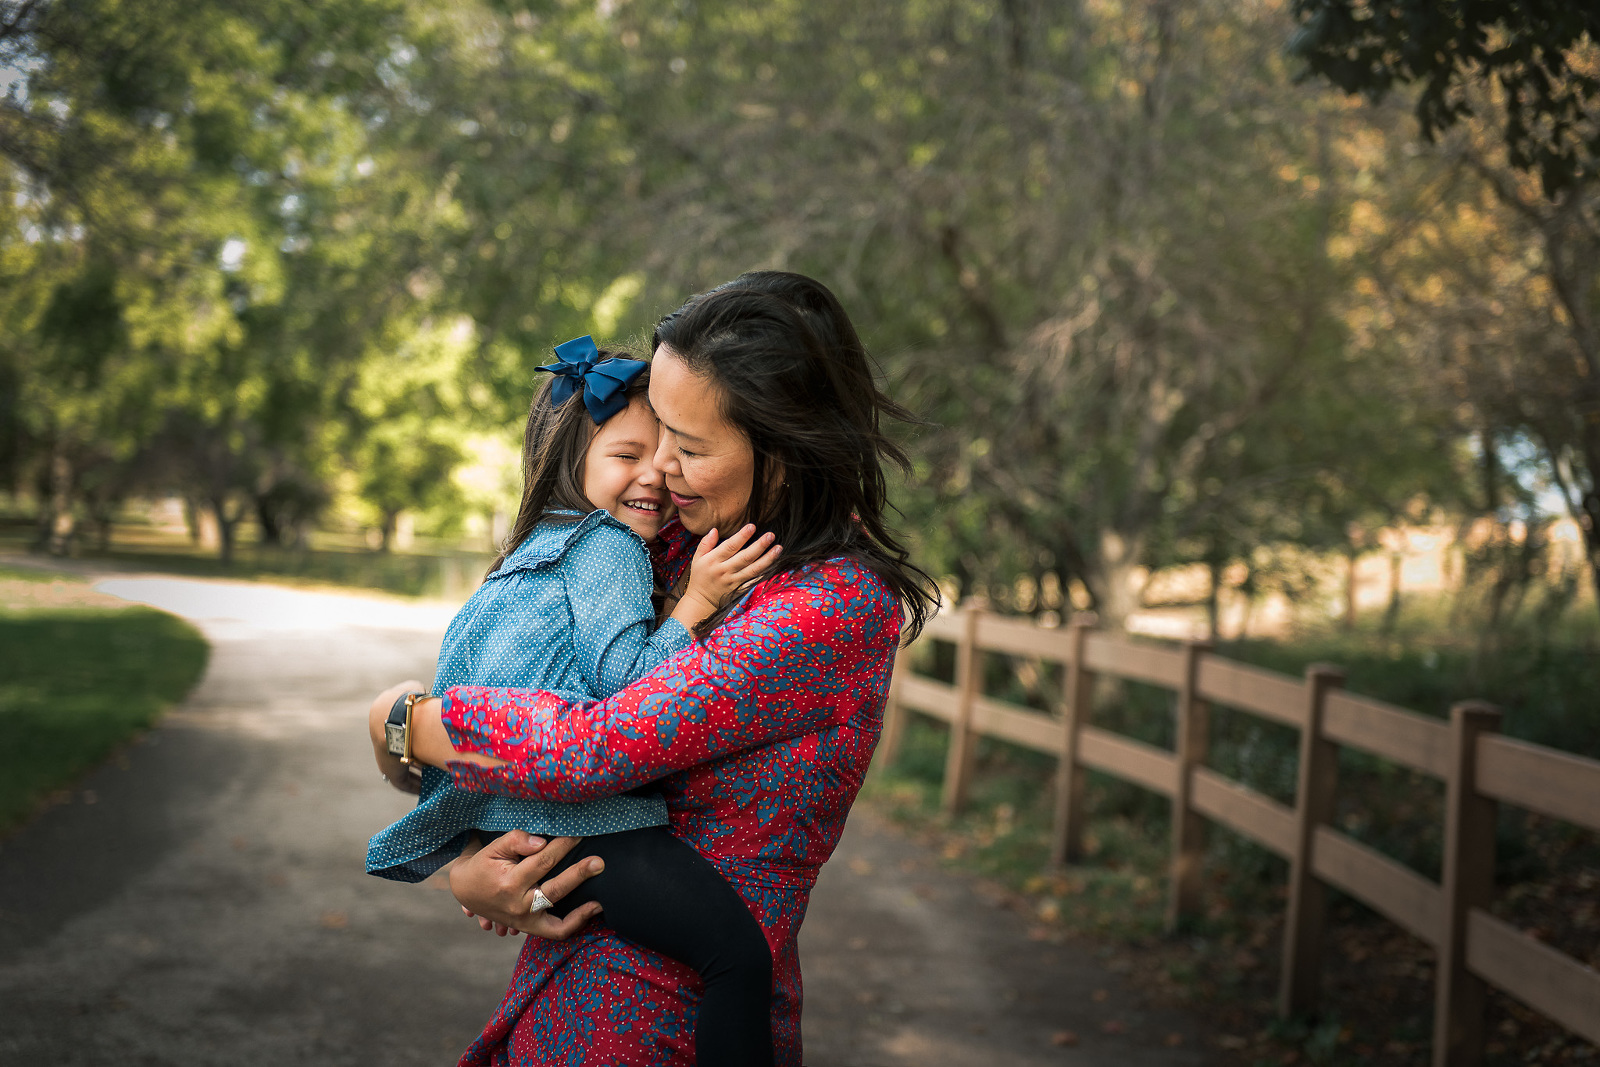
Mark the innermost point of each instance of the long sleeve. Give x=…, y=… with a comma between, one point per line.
x=785, y=666
x=608, y=581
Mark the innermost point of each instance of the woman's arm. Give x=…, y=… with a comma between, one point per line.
x=784, y=667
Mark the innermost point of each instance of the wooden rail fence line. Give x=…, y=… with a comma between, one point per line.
x=1479, y=769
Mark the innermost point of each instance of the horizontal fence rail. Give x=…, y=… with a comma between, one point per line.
x=1479, y=768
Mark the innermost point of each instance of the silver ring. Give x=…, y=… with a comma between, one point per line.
x=540, y=902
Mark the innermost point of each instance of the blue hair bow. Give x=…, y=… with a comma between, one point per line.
x=605, y=384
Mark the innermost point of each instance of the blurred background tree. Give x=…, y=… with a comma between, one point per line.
x=1165, y=299
x=1500, y=240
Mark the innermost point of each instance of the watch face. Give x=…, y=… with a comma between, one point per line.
x=395, y=736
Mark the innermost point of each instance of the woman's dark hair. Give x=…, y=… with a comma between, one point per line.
x=795, y=379
x=554, y=445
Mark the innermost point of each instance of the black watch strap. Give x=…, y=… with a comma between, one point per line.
x=397, y=714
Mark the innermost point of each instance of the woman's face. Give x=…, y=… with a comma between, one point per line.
x=707, y=463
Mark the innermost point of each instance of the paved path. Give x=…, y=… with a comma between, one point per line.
x=200, y=900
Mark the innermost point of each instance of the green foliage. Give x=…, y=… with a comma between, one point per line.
x=1003, y=834
x=1544, y=686
x=77, y=683
x=1540, y=53
x=1158, y=304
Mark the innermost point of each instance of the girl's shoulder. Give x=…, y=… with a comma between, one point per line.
x=554, y=539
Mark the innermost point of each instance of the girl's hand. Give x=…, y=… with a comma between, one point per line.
x=721, y=568
x=399, y=775
x=494, y=884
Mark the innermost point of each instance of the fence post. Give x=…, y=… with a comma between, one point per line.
x=894, y=718
x=1305, y=923
x=1188, y=826
x=1467, y=883
x=1066, y=845
x=958, y=758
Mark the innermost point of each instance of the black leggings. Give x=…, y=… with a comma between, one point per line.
x=662, y=894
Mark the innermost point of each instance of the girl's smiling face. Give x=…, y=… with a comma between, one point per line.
x=706, y=462
x=618, y=474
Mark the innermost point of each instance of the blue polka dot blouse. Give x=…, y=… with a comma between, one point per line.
x=569, y=611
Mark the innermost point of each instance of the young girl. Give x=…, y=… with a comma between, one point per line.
x=568, y=607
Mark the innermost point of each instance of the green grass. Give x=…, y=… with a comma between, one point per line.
x=440, y=573
x=75, y=682
x=1003, y=833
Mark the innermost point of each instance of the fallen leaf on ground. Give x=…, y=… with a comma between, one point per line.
x=1063, y=1039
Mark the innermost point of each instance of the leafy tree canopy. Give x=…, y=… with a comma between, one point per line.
x=1543, y=57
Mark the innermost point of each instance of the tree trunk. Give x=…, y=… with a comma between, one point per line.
x=1247, y=590
x=1349, y=620
x=1112, y=582
x=227, y=528
x=386, y=530
x=191, y=518
x=1214, y=600
x=1391, y=614
x=63, y=524
x=272, y=532
x=1591, y=540
x=1587, y=511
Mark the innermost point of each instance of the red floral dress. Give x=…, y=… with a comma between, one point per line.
x=759, y=739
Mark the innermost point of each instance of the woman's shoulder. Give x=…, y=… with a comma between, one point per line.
x=556, y=538
x=827, y=620
x=842, y=587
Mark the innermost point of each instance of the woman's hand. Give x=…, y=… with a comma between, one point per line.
x=494, y=884
x=398, y=774
x=721, y=568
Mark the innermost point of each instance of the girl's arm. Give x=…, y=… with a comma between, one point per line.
x=791, y=663
x=608, y=581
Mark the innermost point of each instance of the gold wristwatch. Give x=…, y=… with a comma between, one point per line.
x=397, y=728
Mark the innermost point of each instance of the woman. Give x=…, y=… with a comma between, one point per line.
x=760, y=733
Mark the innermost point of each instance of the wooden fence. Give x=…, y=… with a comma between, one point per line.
x=1478, y=767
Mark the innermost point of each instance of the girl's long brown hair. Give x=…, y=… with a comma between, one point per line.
x=554, y=444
